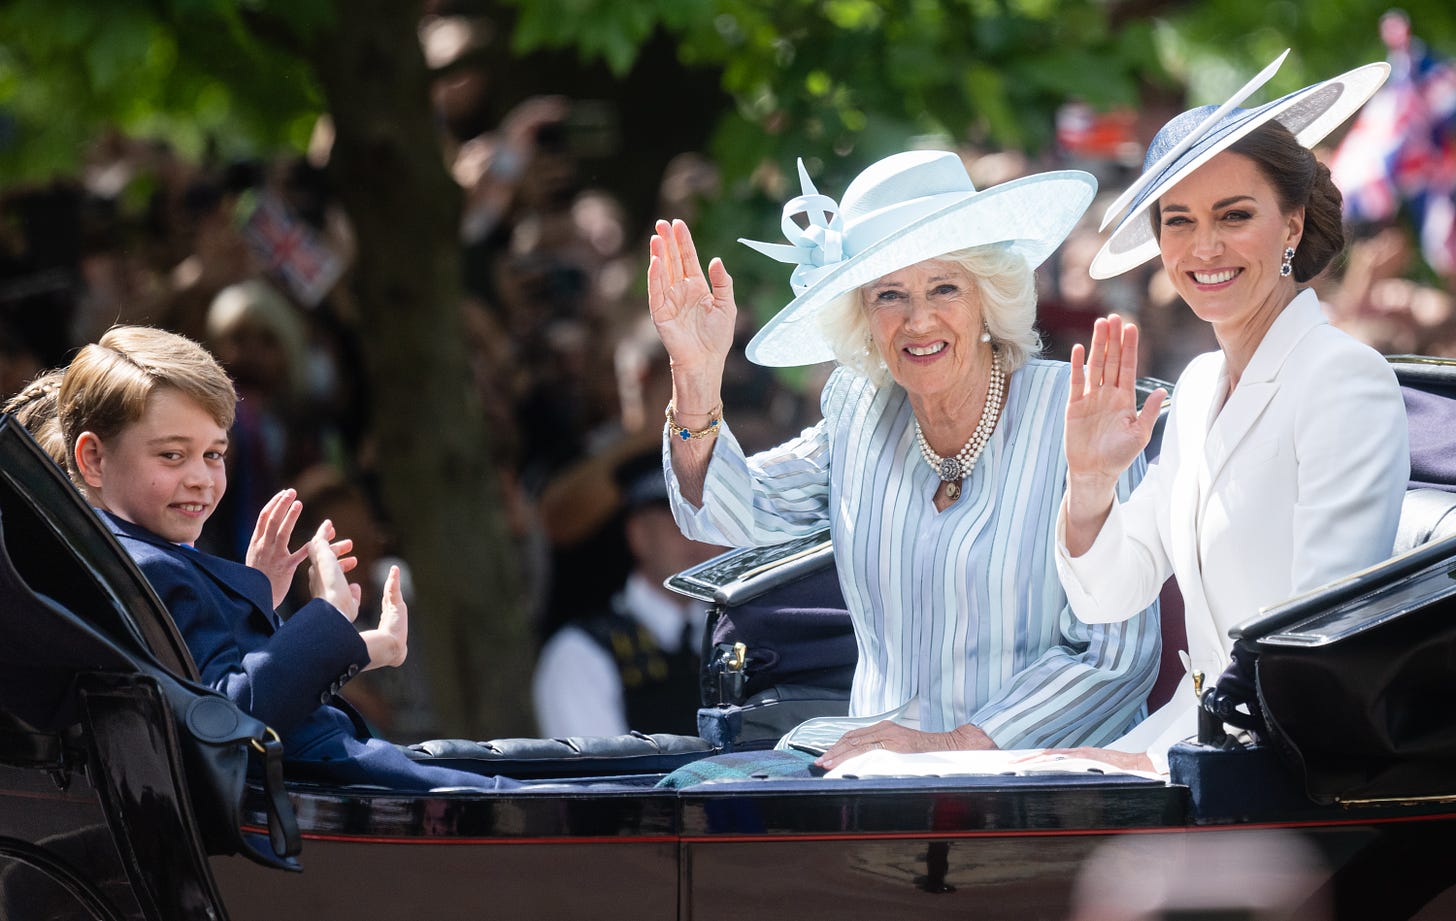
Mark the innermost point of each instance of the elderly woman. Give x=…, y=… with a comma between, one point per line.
x=938, y=465
x=1285, y=457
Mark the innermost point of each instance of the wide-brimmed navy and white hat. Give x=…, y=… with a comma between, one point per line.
x=902, y=210
x=1198, y=135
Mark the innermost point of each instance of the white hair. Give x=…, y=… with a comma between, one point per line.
x=1007, y=291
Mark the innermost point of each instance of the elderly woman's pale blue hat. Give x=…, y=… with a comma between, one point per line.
x=905, y=209
x=1198, y=135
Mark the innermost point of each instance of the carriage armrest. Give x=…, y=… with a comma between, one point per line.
x=576, y=756
x=1239, y=784
x=1425, y=515
x=742, y=574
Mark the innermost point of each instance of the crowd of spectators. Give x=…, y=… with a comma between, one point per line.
x=246, y=257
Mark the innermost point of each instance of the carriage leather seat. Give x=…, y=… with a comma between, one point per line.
x=576, y=756
x=1425, y=515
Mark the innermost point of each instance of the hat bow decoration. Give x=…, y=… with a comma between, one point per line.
x=814, y=249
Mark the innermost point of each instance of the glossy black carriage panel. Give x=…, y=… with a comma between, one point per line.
x=908, y=878
x=508, y=879
x=930, y=805
x=57, y=857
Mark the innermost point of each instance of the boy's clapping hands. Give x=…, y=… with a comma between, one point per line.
x=387, y=643
x=268, y=549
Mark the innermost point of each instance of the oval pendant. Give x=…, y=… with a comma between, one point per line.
x=953, y=490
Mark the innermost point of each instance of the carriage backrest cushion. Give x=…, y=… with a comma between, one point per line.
x=1431, y=412
x=798, y=633
x=1429, y=510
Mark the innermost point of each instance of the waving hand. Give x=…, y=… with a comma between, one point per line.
x=694, y=313
x=1105, y=431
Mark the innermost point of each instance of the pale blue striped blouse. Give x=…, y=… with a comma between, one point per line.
x=961, y=608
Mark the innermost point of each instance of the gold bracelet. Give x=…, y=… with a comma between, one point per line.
x=677, y=431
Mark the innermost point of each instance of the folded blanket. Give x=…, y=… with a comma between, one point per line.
x=747, y=765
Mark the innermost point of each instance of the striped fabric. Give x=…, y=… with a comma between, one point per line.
x=962, y=608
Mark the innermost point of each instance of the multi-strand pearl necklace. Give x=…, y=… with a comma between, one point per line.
x=952, y=470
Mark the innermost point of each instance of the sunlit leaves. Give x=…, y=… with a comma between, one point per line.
x=191, y=72
x=606, y=30
x=822, y=77
x=853, y=14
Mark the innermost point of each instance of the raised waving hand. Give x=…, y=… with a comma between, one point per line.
x=694, y=313
x=1105, y=430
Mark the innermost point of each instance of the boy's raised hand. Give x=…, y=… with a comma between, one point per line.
x=268, y=549
x=326, y=574
x=389, y=643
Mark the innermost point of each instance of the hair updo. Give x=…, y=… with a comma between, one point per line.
x=1298, y=179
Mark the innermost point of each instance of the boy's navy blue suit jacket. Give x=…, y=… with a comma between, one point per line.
x=285, y=673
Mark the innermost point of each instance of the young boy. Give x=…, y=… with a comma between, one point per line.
x=145, y=416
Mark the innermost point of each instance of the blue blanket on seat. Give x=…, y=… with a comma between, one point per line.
x=746, y=765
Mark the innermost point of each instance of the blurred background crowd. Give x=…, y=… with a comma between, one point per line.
x=255, y=257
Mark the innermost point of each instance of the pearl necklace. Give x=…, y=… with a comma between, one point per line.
x=952, y=470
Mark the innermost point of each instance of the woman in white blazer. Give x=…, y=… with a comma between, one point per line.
x=1285, y=456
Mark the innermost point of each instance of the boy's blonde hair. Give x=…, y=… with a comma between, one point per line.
x=107, y=385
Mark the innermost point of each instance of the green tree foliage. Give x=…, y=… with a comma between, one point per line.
x=190, y=71
x=821, y=78
x=842, y=82
x=829, y=73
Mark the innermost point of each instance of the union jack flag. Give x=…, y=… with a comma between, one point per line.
x=289, y=248
x=1402, y=151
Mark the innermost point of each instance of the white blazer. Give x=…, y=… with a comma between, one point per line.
x=1294, y=481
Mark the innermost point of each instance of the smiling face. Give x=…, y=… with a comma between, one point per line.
x=164, y=472
x=1222, y=237
x=925, y=321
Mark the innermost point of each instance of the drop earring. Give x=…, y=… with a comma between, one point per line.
x=985, y=333
x=1286, y=268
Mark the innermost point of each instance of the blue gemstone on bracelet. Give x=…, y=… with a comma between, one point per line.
x=684, y=434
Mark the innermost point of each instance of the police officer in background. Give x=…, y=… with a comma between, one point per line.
x=633, y=665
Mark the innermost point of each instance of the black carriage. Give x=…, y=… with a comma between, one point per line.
x=123, y=792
